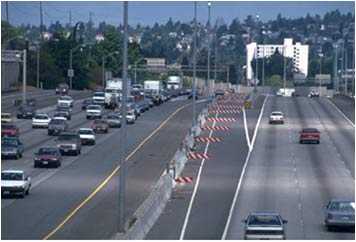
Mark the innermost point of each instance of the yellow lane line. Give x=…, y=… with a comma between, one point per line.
x=112, y=174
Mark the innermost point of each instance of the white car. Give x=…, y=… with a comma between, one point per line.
x=41, y=120
x=15, y=182
x=130, y=117
x=65, y=99
x=99, y=97
x=276, y=117
x=279, y=94
x=87, y=136
x=314, y=93
x=94, y=111
x=60, y=118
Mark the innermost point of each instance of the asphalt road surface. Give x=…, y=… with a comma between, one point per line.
x=281, y=175
x=58, y=192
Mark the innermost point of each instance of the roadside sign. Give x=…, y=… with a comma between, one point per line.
x=70, y=73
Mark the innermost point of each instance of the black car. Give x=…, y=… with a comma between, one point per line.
x=86, y=103
x=25, y=112
x=219, y=92
x=56, y=126
x=11, y=146
x=190, y=95
x=62, y=88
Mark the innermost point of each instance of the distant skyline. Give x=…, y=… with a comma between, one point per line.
x=148, y=13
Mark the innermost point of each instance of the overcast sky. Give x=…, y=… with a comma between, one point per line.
x=148, y=13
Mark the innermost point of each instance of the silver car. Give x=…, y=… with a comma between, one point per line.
x=340, y=213
x=264, y=226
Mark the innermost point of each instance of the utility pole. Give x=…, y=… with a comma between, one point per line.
x=346, y=75
x=194, y=60
x=70, y=19
x=335, y=67
x=123, y=140
x=216, y=58
x=208, y=77
x=38, y=47
x=284, y=69
x=353, y=68
x=7, y=19
x=24, y=76
x=257, y=35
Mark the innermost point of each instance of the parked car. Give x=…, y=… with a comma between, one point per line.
x=314, y=93
x=9, y=130
x=56, y=126
x=113, y=120
x=93, y=111
x=69, y=142
x=11, y=146
x=100, y=125
x=62, y=88
x=219, y=92
x=6, y=118
x=65, y=99
x=86, y=103
x=340, y=213
x=87, y=136
x=15, y=182
x=264, y=226
x=25, y=111
x=41, y=120
x=48, y=156
x=276, y=117
x=309, y=135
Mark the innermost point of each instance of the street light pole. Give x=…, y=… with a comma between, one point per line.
x=123, y=140
x=263, y=59
x=256, y=77
x=208, y=77
x=38, y=67
x=71, y=68
x=194, y=60
x=321, y=58
x=284, y=70
x=24, y=76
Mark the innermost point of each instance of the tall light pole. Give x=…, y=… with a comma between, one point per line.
x=263, y=58
x=335, y=66
x=70, y=64
x=194, y=60
x=9, y=40
x=208, y=77
x=284, y=70
x=346, y=75
x=136, y=68
x=103, y=66
x=321, y=57
x=256, y=77
x=123, y=140
x=24, y=76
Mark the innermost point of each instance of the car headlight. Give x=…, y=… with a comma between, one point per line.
x=53, y=158
x=37, y=158
x=74, y=146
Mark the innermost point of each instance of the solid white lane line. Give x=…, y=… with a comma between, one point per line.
x=246, y=130
x=186, y=220
x=258, y=123
x=342, y=114
x=242, y=175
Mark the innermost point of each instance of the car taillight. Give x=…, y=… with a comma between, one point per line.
x=330, y=216
x=280, y=232
x=250, y=232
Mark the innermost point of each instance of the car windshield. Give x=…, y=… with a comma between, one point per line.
x=26, y=109
x=5, y=116
x=65, y=98
x=11, y=176
x=67, y=137
x=57, y=121
x=47, y=151
x=264, y=220
x=85, y=131
x=8, y=126
x=41, y=117
x=344, y=206
x=59, y=108
x=98, y=94
x=112, y=117
x=99, y=121
x=10, y=142
x=310, y=130
x=94, y=107
x=276, y=114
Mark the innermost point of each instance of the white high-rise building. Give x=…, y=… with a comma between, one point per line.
x=298, y=52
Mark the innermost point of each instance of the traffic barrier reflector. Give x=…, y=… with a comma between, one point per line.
x=198, y=156
x=184, y=179
x=219, y=128
x=207, y=139
x=221, y=119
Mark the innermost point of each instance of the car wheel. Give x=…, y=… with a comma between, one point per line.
x=329, y=227
x=23, y=194
x=93, y=143
x=21, y=155
x=301, y=141
x=28, y=191
x=106, y=131
x=87, y=117
x=35, y=165
x=17, y=156
x=318, y=142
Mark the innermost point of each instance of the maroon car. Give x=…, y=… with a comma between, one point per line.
x=100, y=125
x=48, y=156
x=309, y=135
x=9, y=129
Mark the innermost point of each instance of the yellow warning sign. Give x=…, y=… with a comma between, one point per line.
x=248, y=104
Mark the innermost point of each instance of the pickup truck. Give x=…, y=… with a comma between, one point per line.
x=309, y=135
x=69, y=142
x=15, y=182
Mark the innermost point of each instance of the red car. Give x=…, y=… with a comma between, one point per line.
x=100, y=125
x=49, y=155
x=309, y=135
x=9, y=129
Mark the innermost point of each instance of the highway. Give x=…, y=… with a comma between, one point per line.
x=51, y=210
x=295, y=180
